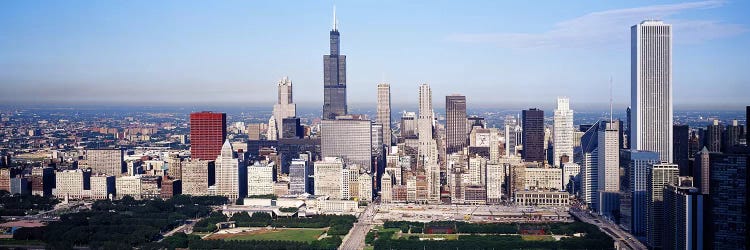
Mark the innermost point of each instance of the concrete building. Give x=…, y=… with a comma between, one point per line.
x=42, y=181
x=195, y=177
x=542, y=198
x=284, y=107
x=428, y=152
x=495, y=181
x=713, y=136
x=260, y=179
x=386, y=188
x=563, y=131
x=272, y=133
x=105, y=161
x=102, y=187
x=651, y=88
x=543, y=178
x=71, y=184
x=408, y=124
x=329, y=177
x=365, y=187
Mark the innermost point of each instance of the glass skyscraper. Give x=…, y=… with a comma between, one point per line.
x=334, y=78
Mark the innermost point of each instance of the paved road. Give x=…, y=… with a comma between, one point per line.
x=185, y=228
x=356, y=237
x=621, y=237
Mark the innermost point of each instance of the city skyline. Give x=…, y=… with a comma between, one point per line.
x=83, y=76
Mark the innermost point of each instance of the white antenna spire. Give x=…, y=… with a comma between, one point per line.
x=610, y=99
x=335, y=22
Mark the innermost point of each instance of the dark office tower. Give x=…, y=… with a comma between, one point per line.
x=533, y=135
x=681, y=148
x=727, y=217
x=747, y=125
x=455, y=123
x=731, y=136
x=334, y=77
x=208, y=131
x=713, y=136
x=683, y=208
x=292, y=128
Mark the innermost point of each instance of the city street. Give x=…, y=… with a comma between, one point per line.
x=356, y=237
x=624, y=239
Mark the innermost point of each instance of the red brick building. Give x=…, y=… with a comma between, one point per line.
x=208, y=131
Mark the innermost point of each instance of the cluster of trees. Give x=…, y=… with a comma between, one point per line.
x=209, y=224
x=289, y=209
x=19, y=205
x=258, y=219
x=405, y=226
x=181, y=240
x=263, y=196
x=125, y=223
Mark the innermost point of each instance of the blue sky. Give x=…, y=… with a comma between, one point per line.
x=496, y=53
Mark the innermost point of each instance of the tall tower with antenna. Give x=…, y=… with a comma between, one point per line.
x=334, y=76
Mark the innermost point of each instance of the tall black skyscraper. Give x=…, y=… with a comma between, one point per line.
x=334, y=78
x=533, y=135
x=713, y=136
x=681, y=148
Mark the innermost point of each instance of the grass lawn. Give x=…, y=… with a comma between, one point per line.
x=306, y=235
x=537, y=238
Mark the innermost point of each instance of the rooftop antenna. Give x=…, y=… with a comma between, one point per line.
x=610, y=99
x=335, y=23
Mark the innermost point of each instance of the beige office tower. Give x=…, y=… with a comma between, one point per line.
x=563, y=131
x=350, y=187
x=102, y=186
x=384, y=113
x=428, y=152
x=386, y=188
x=272, y=133
x=174, y=166
x=365, y=187
x=105, y=161
x=195, y=177
x=227, y=173
x=284, y=107
x=329, y=179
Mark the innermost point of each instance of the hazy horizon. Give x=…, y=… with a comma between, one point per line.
x=523, y=53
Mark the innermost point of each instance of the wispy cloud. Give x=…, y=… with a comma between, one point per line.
x=612, y=27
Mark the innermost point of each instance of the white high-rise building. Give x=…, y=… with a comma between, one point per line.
x=651, y=88
x=329, y=177
x=495, y=180
x=227, y=173
x=384, y=112
x=260, y=179
x=563, y=131
x=284, y=107
x=609, y=169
